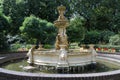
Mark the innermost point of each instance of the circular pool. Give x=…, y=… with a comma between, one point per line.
x=110, y=74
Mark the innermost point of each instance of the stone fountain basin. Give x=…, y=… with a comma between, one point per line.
x=51, y=58
x=15, y=75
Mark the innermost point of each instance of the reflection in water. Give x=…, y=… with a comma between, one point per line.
x=99, y=67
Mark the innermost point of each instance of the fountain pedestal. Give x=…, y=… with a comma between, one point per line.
x=62, y=62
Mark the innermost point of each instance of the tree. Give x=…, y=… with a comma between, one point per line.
x=99, y=14
x=105, y=36
x=37, y=29
x=115, y=40
x=92, y=37
x=4, y=25
x=19, y=9
x=76, y=30
x=31, y=28
x=16, y=12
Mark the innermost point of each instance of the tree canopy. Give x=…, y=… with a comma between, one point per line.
x=100, y=17
x=35, y=28
x=4, y=25
x=76, y=30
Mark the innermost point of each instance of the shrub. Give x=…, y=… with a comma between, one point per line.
x=115, y=40
x=4, y=25
x=37, y=30
x=47, y=46
x=3, y=43
x=15, y=47
x=105, y=36
x=92, y=37
x=76, y=30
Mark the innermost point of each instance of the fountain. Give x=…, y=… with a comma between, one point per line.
x=63, y=59
x=62, y=56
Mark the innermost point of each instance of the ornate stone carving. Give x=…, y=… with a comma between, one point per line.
x=61, y=40
x=30, y=55
x=61, y=23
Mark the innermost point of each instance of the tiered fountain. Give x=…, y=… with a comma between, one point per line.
x=61, y=57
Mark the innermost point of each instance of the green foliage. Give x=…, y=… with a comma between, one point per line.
x=4, y=25
x=19, y=9
x=92, y=37
x=16, y=12
x=1, y=6
x=105, y=36
x=34, y=28
x=28, y=46
x=74, y=46
x=47, y=46
x=98, y=15
x=115, y=40
x=75, y=30
x=31, y=28
x=15, y=47
x=3, y=43
x=96, y=37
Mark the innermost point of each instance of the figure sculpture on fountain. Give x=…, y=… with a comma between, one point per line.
x=61, y=39
x=61, y=23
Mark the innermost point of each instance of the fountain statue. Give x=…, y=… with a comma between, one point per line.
x=62, y=57
x=61, y=24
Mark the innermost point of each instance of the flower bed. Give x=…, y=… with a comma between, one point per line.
x=108, y=48
x=111, y=50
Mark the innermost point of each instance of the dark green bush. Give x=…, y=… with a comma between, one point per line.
x=115, y=40
x=95, y=37
x=92, y=37
x=4, y=25
x=76, y=29
x=37, y=30
x=3, y=43
x=47, y=46
x=105, y=36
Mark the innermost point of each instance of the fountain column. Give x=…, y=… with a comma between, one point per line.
x=61, y=39
x=61, y=23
